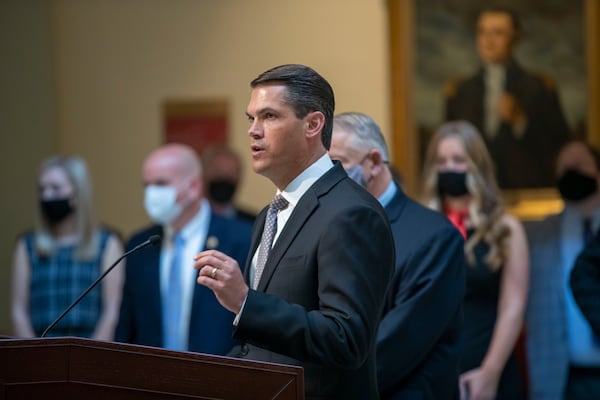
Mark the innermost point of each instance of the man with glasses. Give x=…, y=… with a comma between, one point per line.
x=417, y=339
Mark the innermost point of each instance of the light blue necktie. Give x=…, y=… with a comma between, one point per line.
x=173, y=298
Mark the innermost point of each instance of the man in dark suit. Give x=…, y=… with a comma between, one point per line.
x=518, y=112
x=418, y=337
x=563, y=354
x=162, y=305
x=585, y=283
x=317, y=299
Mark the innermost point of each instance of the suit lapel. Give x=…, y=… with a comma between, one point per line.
x=197, y=292
x=396, y=205
x=307, y=205
x=211, y=241
x=256, y=236
x=151, y=261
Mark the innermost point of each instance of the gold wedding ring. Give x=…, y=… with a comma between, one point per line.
x=213, y=274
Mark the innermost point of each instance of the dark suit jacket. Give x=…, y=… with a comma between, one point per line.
x=245, y=215
x=522, y=162
x=418, y=337
x=140, y=319
x=321, y=294
x=585, y=283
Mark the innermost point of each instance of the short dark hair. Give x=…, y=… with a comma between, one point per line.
x=307, y=91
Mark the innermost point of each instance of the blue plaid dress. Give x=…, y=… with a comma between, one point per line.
x=59, y=279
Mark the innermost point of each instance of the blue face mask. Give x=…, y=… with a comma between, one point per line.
x=357, y=174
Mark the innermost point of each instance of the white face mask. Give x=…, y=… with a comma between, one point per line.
x=161, y=203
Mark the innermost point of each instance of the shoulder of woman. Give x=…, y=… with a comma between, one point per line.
x=110, y=233
x=113, y=240
x=512, y=222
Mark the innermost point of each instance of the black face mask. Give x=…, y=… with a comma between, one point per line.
x=56, y=210
x=575, y=186
x=221, y=191
x=452, y=183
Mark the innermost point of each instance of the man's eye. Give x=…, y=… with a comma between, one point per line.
x=269, y=115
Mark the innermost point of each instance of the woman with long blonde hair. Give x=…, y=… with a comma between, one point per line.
x=459, y=181
x=62, y=256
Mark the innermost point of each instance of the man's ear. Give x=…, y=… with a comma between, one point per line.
x=377, y=160
x=196, y=187
x=315, y=121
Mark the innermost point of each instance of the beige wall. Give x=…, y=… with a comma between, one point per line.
x=116, y=61
x=27, y=122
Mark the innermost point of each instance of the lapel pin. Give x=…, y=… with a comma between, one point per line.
x=212, y=242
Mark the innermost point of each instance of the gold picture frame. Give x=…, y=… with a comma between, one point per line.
x=526, y=204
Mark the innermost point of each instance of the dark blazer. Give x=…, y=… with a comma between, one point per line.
x=527, y=161
x=321, y=294
x=418, y=337
x=585, y=283
x=140, y=319
x=245, y=215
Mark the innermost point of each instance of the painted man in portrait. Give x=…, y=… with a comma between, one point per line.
x=517, y=111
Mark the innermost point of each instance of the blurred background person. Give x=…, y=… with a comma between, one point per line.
x=162, y=304
x=222, y=171
x=65, y=252
x=518, y=112
x=418, y=336
x=585, y=284
x=459, y=181
x=564, y=355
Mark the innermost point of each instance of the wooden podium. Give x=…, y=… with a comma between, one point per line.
x=75, y=368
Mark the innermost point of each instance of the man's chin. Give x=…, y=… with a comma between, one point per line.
x=258, y=167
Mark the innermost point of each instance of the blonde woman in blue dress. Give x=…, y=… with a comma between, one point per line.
x=65, y=252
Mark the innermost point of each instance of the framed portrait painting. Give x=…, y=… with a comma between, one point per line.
x=525, y=110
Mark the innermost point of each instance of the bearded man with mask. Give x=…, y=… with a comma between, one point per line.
x=162, y=305
x=417, y=339
x=564, y=354
x=222, y=170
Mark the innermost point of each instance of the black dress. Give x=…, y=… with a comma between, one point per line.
x=480, y=312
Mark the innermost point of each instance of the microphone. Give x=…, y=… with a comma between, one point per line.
x=152, y=241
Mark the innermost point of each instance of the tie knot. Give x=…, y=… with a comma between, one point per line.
x=279, y=203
